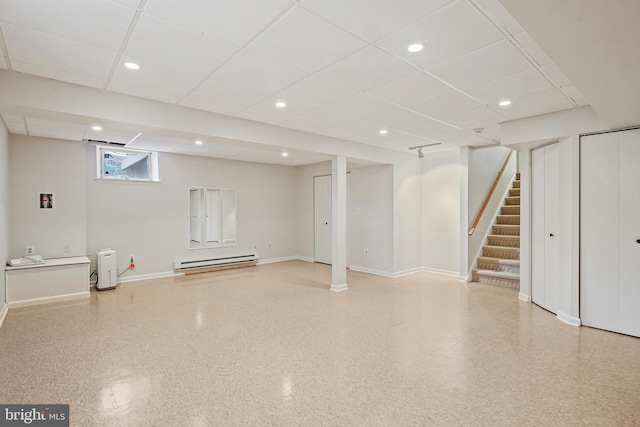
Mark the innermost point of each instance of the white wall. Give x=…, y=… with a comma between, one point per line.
x=40, y=165
x=150, y=220
x=4, y=208
x=484, y=165
x=371, y=212
x=407, y=221
x=370, y=190
x=304, y=207
x=441, y=212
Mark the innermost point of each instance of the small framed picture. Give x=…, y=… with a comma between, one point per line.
x=46, y=200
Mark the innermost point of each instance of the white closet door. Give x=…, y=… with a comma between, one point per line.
x=629, y=233
x=551, y=226
x=609, y=231
x=599, y=181
x=537, y=226
x=545, y=219
x=322, y=218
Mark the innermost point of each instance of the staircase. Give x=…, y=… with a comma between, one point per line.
x=500, y=261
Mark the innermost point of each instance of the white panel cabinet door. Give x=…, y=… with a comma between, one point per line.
x=545, y=220
x=551, y=226
x=629, y=229
x=537, y=227
x=609, y=231
x=322, y=218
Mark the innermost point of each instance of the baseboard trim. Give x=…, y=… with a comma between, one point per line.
x=148, y=276
x=339, y=288
x=3, y=314
x=571, y=321
x=454, y=274
x=406, y=272
x=524, y=297
x=47, y=300
x=372, y=271
x=281, y=259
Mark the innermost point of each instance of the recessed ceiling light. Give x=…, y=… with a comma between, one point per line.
x=96, y=128
x=198, y=142
x=383, y=132
x=281, y=104
x=285, y=154
x=504, y=103
x=416, y=47
x=132, y=65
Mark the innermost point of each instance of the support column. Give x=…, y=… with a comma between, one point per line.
x=339, y=224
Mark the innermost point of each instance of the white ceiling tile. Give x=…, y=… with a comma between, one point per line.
x=99, y=23
x=129, y=3
x=363, y=17
x=231, y=21
x=447, y=34
x=221, y=97
x=55, y=129
x=500, y=16
x=43, y=55
x=532, y=48
x=472, y=116
x=537, y=103
x=492, y=62
x=411, y=88
x=365, y=69
x=510, y=87
x=556, y=75
x=304, y=41
x=354, y=108
x=266, y=111
x=368, y=125
x=315, y=92
x=165, y=43
x=154, y=81
x=442, y=105
x=258, y=74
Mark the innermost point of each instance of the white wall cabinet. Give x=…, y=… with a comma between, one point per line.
x=545, y=221
x=610, y=231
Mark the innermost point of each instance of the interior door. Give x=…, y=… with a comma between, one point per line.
x=610, y=231
x=545, y=220
x=629, y=233
x=599, y=237
x=322, y=218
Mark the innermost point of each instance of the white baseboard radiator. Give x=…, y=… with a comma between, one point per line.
x=215, y=264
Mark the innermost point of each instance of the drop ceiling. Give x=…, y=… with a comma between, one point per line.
x=341, y=67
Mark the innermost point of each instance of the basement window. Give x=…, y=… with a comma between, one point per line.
x=127, y=165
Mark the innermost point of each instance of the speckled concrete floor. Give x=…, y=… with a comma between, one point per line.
x=271, y=345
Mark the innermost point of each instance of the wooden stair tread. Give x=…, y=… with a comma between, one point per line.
x=500, y=260
x=495, y=273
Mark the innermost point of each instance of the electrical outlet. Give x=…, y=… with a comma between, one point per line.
x=255, y=246
x=66, y=248
x=366, y=251
x=269, y=245
x=31, y=250
x=133, y=257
